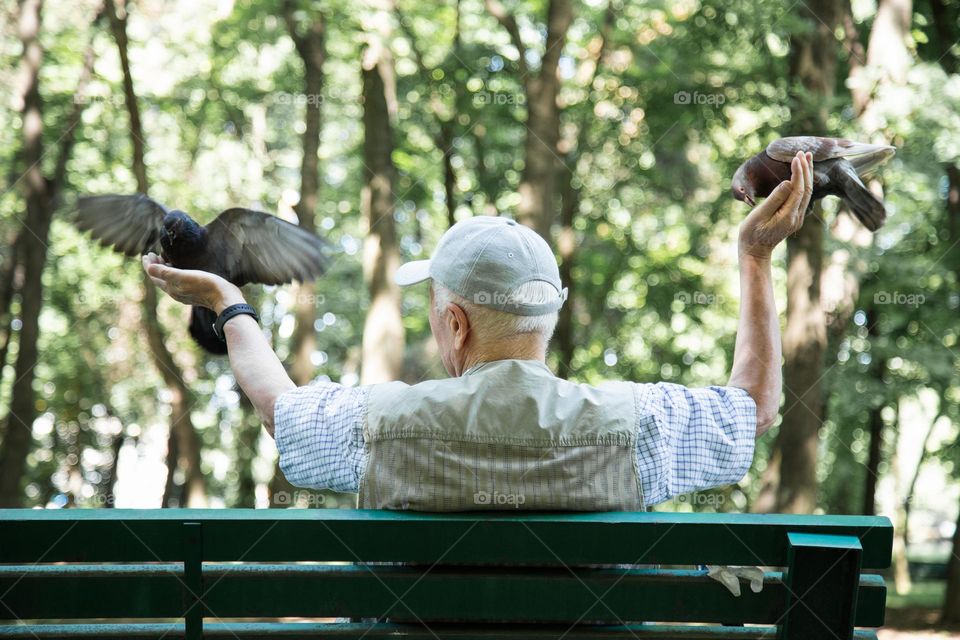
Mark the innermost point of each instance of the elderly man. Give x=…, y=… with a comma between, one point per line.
x=503, y=431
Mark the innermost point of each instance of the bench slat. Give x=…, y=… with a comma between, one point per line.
x=313, y=631
x=438, y=593
x=121, y=535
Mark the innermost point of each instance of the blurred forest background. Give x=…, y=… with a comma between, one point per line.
x=612, y=128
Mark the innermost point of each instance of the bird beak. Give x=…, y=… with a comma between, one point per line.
x=749, y=200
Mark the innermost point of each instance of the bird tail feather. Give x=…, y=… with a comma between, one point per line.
x=201, y=328
x=854, y=148
x=867, y=163
x=867, y=207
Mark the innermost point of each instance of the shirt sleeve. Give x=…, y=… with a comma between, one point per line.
x=692, y=439
x=319, y=434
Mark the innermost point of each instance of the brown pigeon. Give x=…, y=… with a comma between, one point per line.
x=839, y=168
x=240, y=245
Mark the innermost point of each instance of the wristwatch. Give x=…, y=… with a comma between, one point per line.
x=231, y=312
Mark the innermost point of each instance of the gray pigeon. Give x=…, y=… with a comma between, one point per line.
x=840, y=167
x=240, y=245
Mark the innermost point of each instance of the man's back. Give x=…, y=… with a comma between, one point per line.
x=506, y=434
x=510, y=434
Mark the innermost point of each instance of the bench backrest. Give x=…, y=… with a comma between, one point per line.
x=209, y=568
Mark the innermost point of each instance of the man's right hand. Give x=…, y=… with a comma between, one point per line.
x=781, y=214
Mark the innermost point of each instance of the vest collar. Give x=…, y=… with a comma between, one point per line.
x=492, y=363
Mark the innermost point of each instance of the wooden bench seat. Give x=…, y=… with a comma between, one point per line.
x=267, y=573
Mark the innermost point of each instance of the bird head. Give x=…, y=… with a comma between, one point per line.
x=741, y=188
x=178, y=228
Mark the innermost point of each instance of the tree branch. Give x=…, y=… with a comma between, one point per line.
x=559, y=19
x=73, y=121
x=509, y=22
x=412, y=38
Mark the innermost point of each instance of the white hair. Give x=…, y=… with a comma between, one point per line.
x=492, y=324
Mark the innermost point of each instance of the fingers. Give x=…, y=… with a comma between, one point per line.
x=808, y=187
x=777, y=197
x=797, y=181
x=148, y=261
x=160, y=273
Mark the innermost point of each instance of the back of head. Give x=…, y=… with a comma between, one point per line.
x=491, y=324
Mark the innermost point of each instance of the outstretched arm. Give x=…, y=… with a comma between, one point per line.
x=255, y=366
x=757, y=354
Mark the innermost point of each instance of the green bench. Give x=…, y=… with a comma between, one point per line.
x=239, y=573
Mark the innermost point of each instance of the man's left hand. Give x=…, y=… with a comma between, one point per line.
x=191, y=286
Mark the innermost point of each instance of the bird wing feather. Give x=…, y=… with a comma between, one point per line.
x=129, y=224
x=822, y=149
x=259, y=247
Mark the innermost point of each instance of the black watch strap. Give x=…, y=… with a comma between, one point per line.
x=233, y=311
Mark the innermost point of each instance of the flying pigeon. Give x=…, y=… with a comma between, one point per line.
x=840, y=167
x=240, y=245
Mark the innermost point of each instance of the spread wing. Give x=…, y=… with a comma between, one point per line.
x=785, y=149
x=258, y=247
x=129, y=224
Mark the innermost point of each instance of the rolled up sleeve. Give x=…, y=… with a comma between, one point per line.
x=692, y=439
x=319, y=434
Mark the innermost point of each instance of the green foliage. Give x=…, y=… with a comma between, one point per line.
x=685, y=91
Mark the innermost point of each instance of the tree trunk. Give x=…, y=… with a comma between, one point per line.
x=186, y=450
x=539, y=178
x=951, y=602
x=875, y=452
x=18, y=436
x=907, y=500
x=565, y=338
x=804, y=343
x=109, y=475
x=885, y=62
x=950, y=614
x=18, y=433
x=766, y=501
x=901, y=567
x=812, y=66
x=172, y=492
x=311, y=46
x=945, y=23
x=247, y=435
x=445, y=144
x=444, y=137
x=31, y=253
x=8, y=288
x=875, y=426
x=383, y=333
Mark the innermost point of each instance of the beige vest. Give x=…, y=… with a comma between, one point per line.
x=505, y=435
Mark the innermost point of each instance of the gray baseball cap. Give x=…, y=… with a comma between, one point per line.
x=485, y=259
